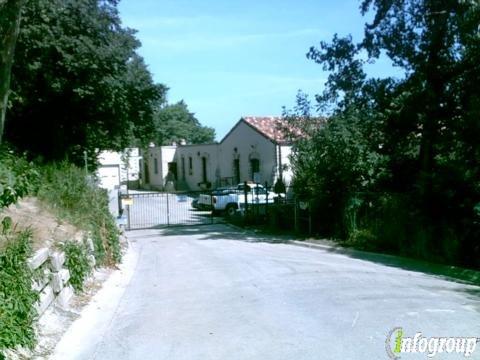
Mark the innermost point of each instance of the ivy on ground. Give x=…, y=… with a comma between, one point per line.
x=17, y=298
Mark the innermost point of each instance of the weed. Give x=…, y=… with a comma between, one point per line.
x=76, y=261
x=17, y=298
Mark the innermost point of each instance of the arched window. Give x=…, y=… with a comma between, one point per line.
x=254, y=169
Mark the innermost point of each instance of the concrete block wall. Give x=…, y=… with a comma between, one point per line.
x=52, y=278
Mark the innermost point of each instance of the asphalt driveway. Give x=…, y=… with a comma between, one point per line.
x=213, y=292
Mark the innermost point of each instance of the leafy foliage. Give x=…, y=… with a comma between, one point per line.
x=18, y=177
x=175, y=123
x=76, y=261
x=74, y=198
x=66, y=189
x=78, y=83
x=17, y=299
x=405, y=143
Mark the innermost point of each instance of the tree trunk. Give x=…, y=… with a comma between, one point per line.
x=10, y=11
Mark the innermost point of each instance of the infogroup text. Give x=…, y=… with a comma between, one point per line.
x=397, y=343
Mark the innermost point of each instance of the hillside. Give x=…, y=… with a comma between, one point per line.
x=47, y=228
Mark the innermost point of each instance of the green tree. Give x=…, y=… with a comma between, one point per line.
x=78, y=83
x=10, y=11
x=421, y=125
x=175, y=123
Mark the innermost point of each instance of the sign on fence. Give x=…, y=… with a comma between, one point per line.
x=127, y=201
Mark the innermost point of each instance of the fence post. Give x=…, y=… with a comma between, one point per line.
x=266, y=202
x=245, y=194
x=128, y=218
x=119, y=204
x=213, y=209
x=295, y=215
x=256, y=208
x=168, y=212
x=310, y=218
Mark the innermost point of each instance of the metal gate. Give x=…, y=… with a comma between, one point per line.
x=144, y=210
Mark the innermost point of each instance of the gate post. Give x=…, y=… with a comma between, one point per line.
x=212, y=213
x=168, y=211
x=295, y=215
x=245, y=194
x=266, y=201
x=128, y=217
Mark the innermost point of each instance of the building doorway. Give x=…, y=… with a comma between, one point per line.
x=172, y=169
x=236, y=171
x=255, y=169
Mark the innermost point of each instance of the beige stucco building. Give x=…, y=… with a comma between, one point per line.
x=255, y=149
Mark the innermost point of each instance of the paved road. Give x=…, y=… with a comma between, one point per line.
x=212, y=292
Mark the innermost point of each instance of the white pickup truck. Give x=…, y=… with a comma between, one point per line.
x=229, y=200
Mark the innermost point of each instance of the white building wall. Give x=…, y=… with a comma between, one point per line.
x=284, y=155
x=168, y=156
x=192, y=177
x=108, y=176
x=109, y=158
x=157, y=163
x=245, y=144
x=132, y=157
x=153, y=161
x=128, y=161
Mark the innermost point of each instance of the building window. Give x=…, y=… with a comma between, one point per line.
x=204, y=169
x=183, y=168
x=255, y=166
x=190, y=166
x=155, y=166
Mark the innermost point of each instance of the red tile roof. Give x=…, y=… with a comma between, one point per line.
x=272, y=127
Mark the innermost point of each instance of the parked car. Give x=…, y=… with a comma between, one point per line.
x=229, y=200
x=205, y=201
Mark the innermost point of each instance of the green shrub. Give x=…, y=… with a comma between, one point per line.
x=66, y=189
x=18, y=178
x=76, y=261
x=362, y=239
x=17, y=298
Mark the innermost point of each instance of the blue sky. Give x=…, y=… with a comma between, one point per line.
x=229, y=58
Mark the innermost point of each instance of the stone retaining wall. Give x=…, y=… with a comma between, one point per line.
x=52, y=278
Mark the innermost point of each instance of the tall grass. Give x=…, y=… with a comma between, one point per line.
x=66, y=189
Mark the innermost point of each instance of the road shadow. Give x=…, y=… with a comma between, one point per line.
x=221, y=231
x=229, y=232
x=446, y=272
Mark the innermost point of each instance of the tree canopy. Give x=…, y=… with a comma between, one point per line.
x=78, y=83
x=175, y=123
x=408, y=143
